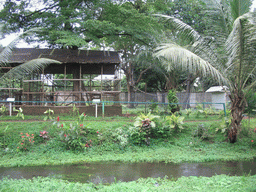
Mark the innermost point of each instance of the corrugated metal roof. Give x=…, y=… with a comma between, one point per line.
x=217, y=89
x=21, y=55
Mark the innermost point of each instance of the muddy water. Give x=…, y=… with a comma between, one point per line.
x=111, y=172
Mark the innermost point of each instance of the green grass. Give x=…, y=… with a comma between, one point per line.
x=221, y=183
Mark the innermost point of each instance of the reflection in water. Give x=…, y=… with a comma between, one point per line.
x=109, y=172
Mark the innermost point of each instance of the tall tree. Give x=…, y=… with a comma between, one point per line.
x=238, y=56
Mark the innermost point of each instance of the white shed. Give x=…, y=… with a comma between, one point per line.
x=219, y=95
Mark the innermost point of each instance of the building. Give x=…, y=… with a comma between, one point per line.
x=59, y=86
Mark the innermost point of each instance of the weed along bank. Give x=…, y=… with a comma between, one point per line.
x=73, y=81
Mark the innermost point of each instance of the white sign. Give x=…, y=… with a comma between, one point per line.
x=96, y=100
x=10, y=99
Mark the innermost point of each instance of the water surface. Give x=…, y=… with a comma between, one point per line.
x=111, y=171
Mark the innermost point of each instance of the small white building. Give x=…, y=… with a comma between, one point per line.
x=219, y=95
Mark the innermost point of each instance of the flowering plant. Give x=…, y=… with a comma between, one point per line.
x=74, y=135
x=44, y=135
x=26, y=141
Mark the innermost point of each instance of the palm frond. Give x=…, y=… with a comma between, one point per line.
x=219, y=21
x=7, y=51
x=185, y=60
x=181, y=28
x=239, y=7
x=33, y=66
x=240, y=47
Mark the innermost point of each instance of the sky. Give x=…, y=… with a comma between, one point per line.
x=11, y=37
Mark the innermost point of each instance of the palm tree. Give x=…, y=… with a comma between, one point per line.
x=235, y=46
x=29, y=67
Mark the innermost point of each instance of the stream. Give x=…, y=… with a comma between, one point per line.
x=108, y=172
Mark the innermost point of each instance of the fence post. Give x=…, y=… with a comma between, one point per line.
x=103, y=110
x=224, y=107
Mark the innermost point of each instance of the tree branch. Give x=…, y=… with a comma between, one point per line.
x=141, y=73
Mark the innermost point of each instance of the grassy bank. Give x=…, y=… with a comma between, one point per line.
x=215, y=183
x=109, y=139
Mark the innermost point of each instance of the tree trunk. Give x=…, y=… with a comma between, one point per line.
x=189, y=81
x=237, y=109
x=131, y=96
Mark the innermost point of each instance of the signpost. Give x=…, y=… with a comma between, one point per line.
x=96, y=101
x=10, y=100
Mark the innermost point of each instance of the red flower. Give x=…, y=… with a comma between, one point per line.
x=21, y=133
x=98, y=132
x=22, y=136
x=18, y=147
x=86, y=145
x=65, y=135
x=32, y=134
x=251, y=140
x=81, y=125
x=58, y=118
x=84, y=114
x=27, y=134
x=61, y=125
x=21, y=143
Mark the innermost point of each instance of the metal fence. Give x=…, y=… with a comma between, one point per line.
x=185, y=100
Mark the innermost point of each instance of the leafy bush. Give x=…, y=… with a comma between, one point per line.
x=74, y=135
x=153, y=107
x=3, y=110
x=19, y=112
x=188, y=112
x=222, y=113
x=202, y=132
x=75, y=111
x=49, y=114
x=121, y=136
x=251, y=102
x=143, y=125
x=172, y=98
x=224, y=125
x=174, y=122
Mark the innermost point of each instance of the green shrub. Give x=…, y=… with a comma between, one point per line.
x=142, y=130
x=121, y=136
x=174, y=122
x=172, y=98
x=3, y=110
x=153, y=107
x=74, y=134
x=188, y=112
x=223, y=125
x=202, y=132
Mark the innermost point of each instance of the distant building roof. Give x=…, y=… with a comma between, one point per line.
x=22, y=55
x=217, y=89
